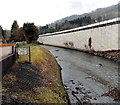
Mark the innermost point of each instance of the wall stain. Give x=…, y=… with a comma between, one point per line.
x=69, y=44
x=90, y=43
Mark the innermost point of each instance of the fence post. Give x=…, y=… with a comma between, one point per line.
x=12, y=49
x=16, y=53
x=29, y=55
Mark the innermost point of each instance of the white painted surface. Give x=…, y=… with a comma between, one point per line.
x=22, y=51
x=103, y=38
x=5, y=51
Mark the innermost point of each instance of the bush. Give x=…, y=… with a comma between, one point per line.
x=19, y=44
x=35, y=42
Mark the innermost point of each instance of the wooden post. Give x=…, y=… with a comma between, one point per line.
x=29, y=55
x=15, y=53
x=12, y=49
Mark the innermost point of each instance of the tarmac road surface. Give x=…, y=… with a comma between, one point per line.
x=86, y=77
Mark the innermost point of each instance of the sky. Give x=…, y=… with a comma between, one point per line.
x=43, y=12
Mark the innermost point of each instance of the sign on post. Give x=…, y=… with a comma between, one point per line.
x=22, y=51
x=25, y=51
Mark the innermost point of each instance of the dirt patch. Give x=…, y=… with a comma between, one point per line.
x=114, y=93
x=23, y=77
x=113, y=55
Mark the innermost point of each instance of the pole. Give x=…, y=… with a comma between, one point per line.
x=12, y=49
x=29, y=55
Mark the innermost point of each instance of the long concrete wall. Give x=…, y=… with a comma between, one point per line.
x=99, y=37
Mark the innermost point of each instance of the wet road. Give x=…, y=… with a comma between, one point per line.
x=86, y=77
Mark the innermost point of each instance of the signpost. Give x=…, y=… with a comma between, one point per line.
x=29, y=55
x=24, y=51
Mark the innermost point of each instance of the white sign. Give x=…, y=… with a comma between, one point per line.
x=22, y=51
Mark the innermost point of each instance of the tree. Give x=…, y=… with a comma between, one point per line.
x=31, y=31
x=21, y=34
x=1, y=32
x=14, y=31
x=7, y=34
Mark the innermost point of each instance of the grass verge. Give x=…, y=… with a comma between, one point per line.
x=35, y=82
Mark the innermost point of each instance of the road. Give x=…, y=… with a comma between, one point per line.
x=86, y=77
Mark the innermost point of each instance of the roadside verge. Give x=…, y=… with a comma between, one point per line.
x=35, y=82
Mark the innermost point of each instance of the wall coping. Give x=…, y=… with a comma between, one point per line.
x=7, y=45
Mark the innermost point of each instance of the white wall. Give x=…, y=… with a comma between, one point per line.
x=5, y=51
x=103, y=38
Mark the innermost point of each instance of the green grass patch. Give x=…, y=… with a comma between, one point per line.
x=36, y=54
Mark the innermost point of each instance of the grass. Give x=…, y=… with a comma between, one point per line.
x=51, y=90
x=37, y=55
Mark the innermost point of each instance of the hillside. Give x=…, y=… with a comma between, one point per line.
x=104, y=13
x=73, y=21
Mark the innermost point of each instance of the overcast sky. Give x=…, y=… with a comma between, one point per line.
x=42, y=12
